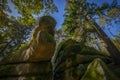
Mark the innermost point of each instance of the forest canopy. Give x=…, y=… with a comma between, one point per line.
x=76, y=23
x=33, y=42
x=15, y=29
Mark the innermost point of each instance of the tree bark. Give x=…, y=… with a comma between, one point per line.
x=114, y=52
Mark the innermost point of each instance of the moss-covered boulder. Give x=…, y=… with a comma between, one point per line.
x=98, y=70
x=33, y=64
x=33, y=60
x=42, y=48
x=72, y=58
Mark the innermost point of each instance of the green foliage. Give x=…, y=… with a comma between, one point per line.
x=14, y=56
x=28, y=20
x=26, y=7
x=102, y=21
x=77, y=11
x=34, y=7
x=114, y=12
x=12, y=35
x=27, y=10
x=20, y=49
x=80, y=15
x=15, y=29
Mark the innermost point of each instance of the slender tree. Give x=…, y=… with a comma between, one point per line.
x=80, y=11
x=110, y=46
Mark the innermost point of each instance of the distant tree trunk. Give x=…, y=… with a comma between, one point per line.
x=114, y=52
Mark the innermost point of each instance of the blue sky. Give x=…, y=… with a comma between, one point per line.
x=61, y=4
x=59, y=16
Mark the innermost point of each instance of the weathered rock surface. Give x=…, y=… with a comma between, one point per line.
x=71, y=61
x=34, y=63
x=98, y=70
x=72, y=58
x=26, y=71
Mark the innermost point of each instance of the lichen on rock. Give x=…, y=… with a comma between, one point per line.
x=98, y=70
x=33, y=61
x=72, y=58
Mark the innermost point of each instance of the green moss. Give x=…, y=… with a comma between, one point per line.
x=58, y=50
x=97, y=70
x=73, y=54
x=50, y=38
x=89, y=51
x=44, y=37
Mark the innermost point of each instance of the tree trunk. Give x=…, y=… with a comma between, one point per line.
x=114, y=52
